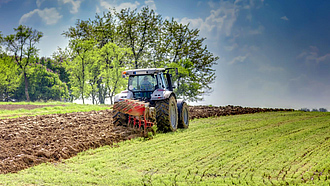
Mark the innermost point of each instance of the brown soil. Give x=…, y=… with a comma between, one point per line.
x=206, y=111
x=31, y=140
x=28, y=141
x=28, y=107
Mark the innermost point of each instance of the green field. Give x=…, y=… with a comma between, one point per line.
x=274, y=148
x=55, y=108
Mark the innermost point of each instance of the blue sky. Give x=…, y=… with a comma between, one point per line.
x=273, y=53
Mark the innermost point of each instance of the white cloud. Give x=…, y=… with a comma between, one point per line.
x=219, y=22
x=231, y=48
x=151, y=4
x=75, y=5
x=257, y=31
x=107, y=5
x=39, y=2
x=49, y=16
x=312, y=56
x=239, y=59
x=285, y=18
x=197, y=23
x=26, y=16
x=222, y=18
x=98, y=9
x=324, y=58
x=268, y=68
x=128, y=5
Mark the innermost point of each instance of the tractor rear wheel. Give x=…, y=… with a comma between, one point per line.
x=183, y=116
x=167, y=115
x=119, y=118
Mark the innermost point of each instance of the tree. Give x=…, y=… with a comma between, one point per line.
x=61, y=58
x=188, y=84
x=104, y=29
x=1, y=40
x=323, y=110
x=138, y=31
x=21, y=46
x=78, y=67
x=112, y=60
x=94, y=75
x=156, y=43
x=56, y=65
x=44, y=84
x=185, y=51
x=304, y=109
x=9, y=77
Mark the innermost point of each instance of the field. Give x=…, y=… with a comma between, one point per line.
x=14, y=110
x=252, y=149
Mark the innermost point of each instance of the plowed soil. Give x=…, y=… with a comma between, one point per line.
x=207, y=111
x=31, y=140
x=28, y=141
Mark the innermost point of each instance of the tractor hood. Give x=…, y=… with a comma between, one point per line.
x=126, y=94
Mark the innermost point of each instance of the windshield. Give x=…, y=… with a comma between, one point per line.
x=142, y=83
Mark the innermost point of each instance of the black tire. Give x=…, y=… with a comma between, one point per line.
x=119, y=118
x=164, y=110
x=183, y=116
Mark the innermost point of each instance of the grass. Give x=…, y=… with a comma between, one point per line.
x=274, y=148
x=36, y=103
x=59, y=109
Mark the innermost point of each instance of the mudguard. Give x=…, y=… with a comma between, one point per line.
x=168, y=94
x=161, y=95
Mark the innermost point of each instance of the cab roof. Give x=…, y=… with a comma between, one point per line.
x=144, y=71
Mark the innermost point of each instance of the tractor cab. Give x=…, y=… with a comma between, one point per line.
x=146, y=84
x=142, y=86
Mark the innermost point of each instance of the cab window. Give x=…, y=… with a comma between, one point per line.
x=142, y=83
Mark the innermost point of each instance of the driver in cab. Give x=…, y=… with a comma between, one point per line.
x=146, y=85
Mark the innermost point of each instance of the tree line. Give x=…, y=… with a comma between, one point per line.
x=99, y=50
x=314, y=110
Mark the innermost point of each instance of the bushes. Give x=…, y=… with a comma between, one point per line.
x=44, y=84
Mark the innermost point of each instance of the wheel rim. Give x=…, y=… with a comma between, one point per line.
x=173, y=118
x=185, y=116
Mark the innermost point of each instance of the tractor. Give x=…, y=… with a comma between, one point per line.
x=149, y=100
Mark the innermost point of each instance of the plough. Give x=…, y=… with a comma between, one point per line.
x=140, y=115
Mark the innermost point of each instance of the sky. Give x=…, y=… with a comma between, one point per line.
x=272, y=53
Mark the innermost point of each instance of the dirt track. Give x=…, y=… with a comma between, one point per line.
x=28, y=141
